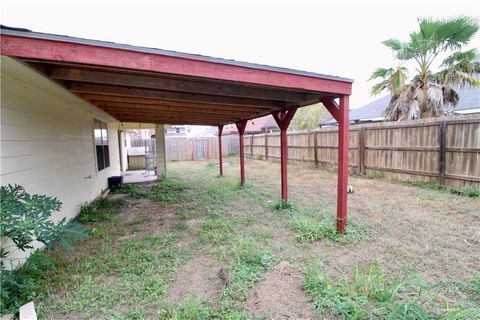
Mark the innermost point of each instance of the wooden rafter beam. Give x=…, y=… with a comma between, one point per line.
x=186, y=116
x=167, y=121
x=178, y=85
x=144, y=107
x=148, y=101
x=80, y=87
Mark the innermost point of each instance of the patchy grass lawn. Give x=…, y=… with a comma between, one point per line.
x=198, y=246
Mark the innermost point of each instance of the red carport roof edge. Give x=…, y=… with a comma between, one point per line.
x=32, y=45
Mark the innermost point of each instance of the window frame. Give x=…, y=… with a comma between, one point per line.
x=101, y=144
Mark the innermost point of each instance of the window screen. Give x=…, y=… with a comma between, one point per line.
x=101, y=144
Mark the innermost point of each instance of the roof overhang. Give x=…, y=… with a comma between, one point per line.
x=136, y=84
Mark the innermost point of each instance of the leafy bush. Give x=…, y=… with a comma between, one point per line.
x=20, y=285
x=25, y=219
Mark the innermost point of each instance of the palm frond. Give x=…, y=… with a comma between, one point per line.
x=393, y=80
x=469, y=55
x=381, y=73
x=435, y=100
x=394, y=44
x=460, y=69
x=379, y=87
x=397, y=80
x=451, y=33
x=450, y=96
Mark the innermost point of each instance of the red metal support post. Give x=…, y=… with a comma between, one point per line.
x=283, y=119
x=220, y=160
x=343, y=141
x=241, y=125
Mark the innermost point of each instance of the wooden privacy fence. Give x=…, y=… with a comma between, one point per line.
x=445, y=149
x=199, y=148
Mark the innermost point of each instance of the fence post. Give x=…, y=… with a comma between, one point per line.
x=361, y=151
x=442, y=152
x=251, y=146
x=315, y=148
x=266, y=145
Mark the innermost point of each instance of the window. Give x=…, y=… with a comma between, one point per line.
x=101, y=144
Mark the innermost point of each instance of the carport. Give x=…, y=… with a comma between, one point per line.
x=137, y=84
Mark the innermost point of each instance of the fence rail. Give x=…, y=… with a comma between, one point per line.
x=445, y=149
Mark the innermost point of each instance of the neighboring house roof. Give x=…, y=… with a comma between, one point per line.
x=253, y=126
x=202, y=131
x=469, y=103
x=270, y=123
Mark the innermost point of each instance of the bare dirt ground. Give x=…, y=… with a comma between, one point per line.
x=200, y=278
x=279, y=295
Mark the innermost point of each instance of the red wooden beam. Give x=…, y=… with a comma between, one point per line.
x=105, y=54
x=283, y=119
x=241, y=125
x=220, y=160
x=343, y=122
x=331, y=106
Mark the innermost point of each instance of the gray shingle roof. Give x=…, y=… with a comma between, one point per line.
x=469, y=99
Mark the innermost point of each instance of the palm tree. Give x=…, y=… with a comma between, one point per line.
x=428, y=93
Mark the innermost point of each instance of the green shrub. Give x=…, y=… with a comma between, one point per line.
x=20, y=286
x=24, y=219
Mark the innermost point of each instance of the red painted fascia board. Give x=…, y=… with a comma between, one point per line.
x=62, y=51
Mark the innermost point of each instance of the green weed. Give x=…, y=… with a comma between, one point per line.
x=467, y=191
x=370, y=295
x=140, y=220
x=179, y=226
x=250, y=263
x=170, y=191
x=366, y=296
x=216, y=231
x=133, y=190
x=194, y=310
x=102, y=209
x=311, y=230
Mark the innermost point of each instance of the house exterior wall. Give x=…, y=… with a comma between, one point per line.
x=47, y=142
